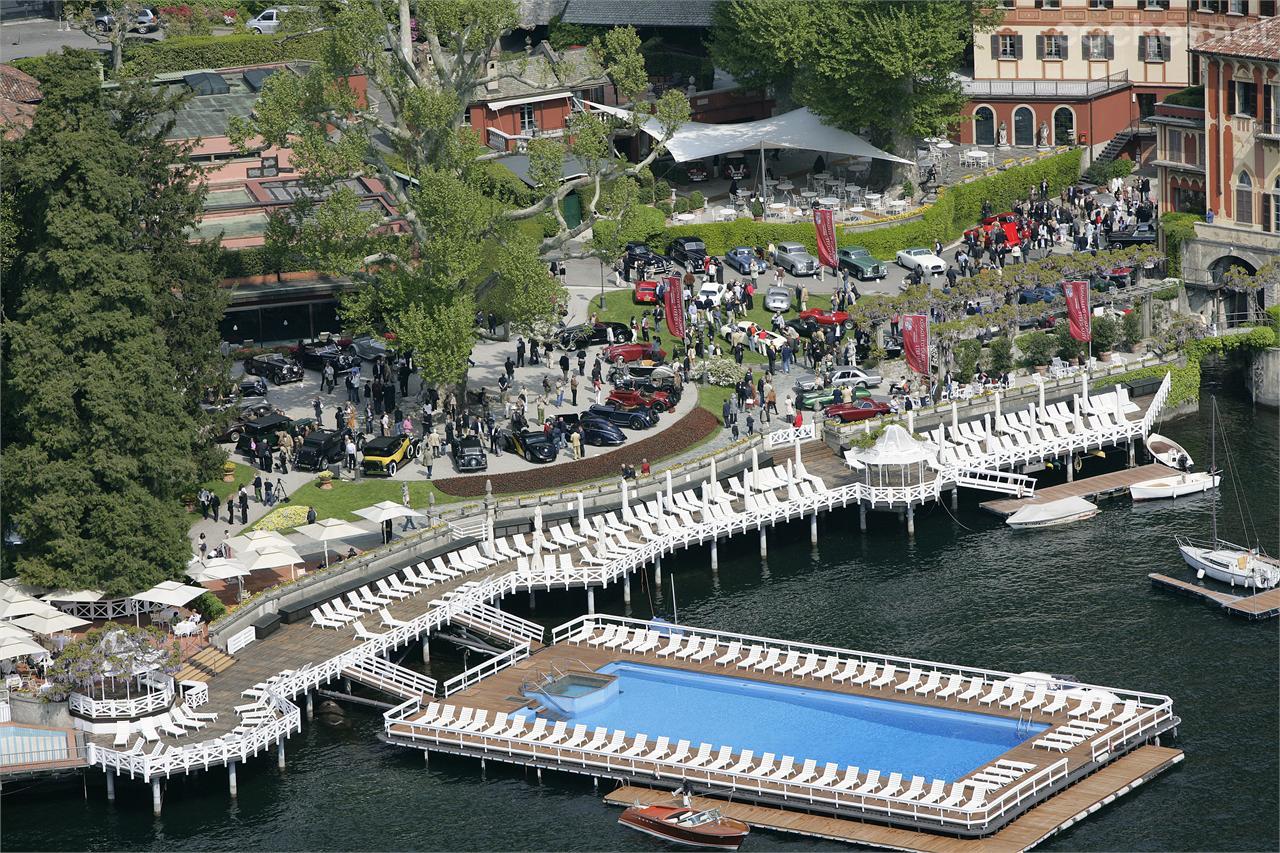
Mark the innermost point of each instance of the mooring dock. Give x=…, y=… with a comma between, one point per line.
x=1101, y=486
x=1056, y=814
x=1260, y=605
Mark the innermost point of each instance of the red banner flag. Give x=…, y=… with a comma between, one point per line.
x=1078, y=311
x=915, y=341
x=673, y=298
x=825, y=227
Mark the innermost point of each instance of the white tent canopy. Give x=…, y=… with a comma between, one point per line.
x=47, y=625
x=16, y=647
x=76, y=596
x=897, y=447
x=387, y=511
x=170, y=593
x=799, y=129
x=215, y=569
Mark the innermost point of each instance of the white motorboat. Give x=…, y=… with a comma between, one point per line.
x=1051, y=513
x=1230, y=563
x=1174, y=485
x=1168, y=452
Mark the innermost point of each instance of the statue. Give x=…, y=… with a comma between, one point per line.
x=1043, y=135
x=1002, y=135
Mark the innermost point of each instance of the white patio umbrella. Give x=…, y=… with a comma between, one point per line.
x=24, y=605
x=274, y=558
x=385, y=511
x=77, y=596
x=16, y=647
x=258, y=540
x=168, y=593
x=327, y=529
x=47, y=625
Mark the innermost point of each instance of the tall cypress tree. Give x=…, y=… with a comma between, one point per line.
x=109, y=336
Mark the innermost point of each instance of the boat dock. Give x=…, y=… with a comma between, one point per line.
x=1023, y=833
x=1090, y=488
x=1261, y=605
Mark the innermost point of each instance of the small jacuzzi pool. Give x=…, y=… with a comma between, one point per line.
x=575, y=692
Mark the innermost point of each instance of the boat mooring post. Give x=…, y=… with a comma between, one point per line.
x=764, y=542
x=426, y=644
x=591, y=601
x=1132, y=454
x=955, y=498
x=311, y=708
x=1071, y=468
x=715, y=557
x=911, y=519
x=626, y=589
x=280, y=753
x=231, y=778
x=155, y=796
x=813, y=528
x=111, y=786
x=862, y=516
x=531, y=601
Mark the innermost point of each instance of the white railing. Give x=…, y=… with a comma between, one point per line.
x=391, y=678
x=486, y=617
x=240, y=639
x=83, y=705
x=790, y=435
x=478, y=673
x=1157, y=404
x=104, y=609
x=194, y=693
x=1150, y=719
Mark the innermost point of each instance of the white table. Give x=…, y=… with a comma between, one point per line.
x=685, y=217
x=808, y=194
x=897, y=206
x=829, y=201
x=727, y=213
x=857, y=208
x=873, y=199
x=944, y=145
x=185, y=629
x=786, y=186
x=822, y=176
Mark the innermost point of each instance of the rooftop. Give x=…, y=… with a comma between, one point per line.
x=19, y=94
x=542, y=70
x=1255, y=41
x=642, y=13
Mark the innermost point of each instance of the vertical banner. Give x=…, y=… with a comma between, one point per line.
x=915, y=342
x=1078, y=311
x=825, y=227
x=673, y=297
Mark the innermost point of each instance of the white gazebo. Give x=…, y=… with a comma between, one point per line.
x=897, y=459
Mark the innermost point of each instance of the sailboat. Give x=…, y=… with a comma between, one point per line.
x=1222, y=560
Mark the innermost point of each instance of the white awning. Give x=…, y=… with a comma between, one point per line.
x=898, y=447
x=170, y=593
x=73, y=596
x=527, y=99
x=798, y=129
x=46, y=625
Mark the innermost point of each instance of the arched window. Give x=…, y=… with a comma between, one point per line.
x=1024, y=127
x=1064, y=126
x=1244, y=199
x=984, y=126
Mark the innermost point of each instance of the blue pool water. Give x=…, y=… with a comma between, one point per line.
x=878, y=734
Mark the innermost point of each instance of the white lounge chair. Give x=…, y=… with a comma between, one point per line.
x=886, y=677
x=869, y=784
x=830, y=773
x=914, y=789
x=637, y=746
x=808, y=771
x=753, y=657
x=680, y=754
x=363, y=633
x=1015, y=695
x=810, y=664
x=745, y=760
x=911, y=682
x=660, y=749
x=708, y=650
x=932, y=683
x=891, y=787
x=937, y=790
x=730, y=655
x=770, y=661
x=865, y=677
x=785, y=768
x=701, y=757
x=828, y=669
x=616, y=742
x=952, y=687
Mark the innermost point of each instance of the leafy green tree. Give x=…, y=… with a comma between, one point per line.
x=109, y=334
x=421, y=268
x=108, y=22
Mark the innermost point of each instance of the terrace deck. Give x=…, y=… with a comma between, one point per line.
x=1103, y=485
x=1052, y=816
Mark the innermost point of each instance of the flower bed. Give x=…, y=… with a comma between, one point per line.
x=283, y=518
x=686, y=432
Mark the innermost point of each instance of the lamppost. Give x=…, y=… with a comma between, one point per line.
x=601, y=259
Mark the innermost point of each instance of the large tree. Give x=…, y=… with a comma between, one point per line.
x=420, y=268
x=109, y=336
x=882, y=65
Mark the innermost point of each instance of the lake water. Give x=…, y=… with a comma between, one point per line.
x=967, y=590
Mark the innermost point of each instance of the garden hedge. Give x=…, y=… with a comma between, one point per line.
x=958, y=208
x=1177, y=227
x=241, y=263
x=147, y=59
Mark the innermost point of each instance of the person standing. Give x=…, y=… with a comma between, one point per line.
x=257, y=488
x=520, y=352
x=268, y=490
x=349, y=450
x=318, y=408
x=575, y=443
x=564, y=365
x=244, y=505
x=326, y=379
x=409, y=523
x=231, y=508
x=573, y=389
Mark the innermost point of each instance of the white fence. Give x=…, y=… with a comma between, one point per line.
x=157, y=699
x=477, y=673
x=790, y=435
x=240, y=639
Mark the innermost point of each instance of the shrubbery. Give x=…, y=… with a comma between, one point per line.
x=1036, y=348
x=966, y=355
x=1177, y=227
x=1102, y=171
x=1000, y=354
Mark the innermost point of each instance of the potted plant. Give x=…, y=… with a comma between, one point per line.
x=189, y=501
x=228, y=472
x=325, y=480
x=1105, y=333
x=1131, y=330
x=1037, y=350
x=757, y=210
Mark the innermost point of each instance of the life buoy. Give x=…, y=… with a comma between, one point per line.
x=1078, y=463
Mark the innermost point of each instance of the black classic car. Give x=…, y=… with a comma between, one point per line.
x=530, y=445
x=640, y=254
x=689, y=252
x=275, y=366
x=252, y=386
x=651, y=385
x=585, y=335
x=268, y=428
x=230, y=417
x=468, y=454
x=615, y=414
x=324, y=447
x=1138, y=234
x=314, y=356
x=596, y=431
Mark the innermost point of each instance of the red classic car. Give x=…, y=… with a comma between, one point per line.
x=827, y=318
x=645, y=292
x=1007, y=222
x=636, y=351
x=629, y=398
x=858, y=410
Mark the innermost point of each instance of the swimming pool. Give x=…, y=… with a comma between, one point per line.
x=804, y=723
x=21, y=745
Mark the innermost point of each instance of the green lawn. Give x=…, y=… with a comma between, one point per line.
x=345, y=497
x=712, y=397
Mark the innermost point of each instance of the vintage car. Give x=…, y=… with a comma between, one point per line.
x=237, y=414
x=1001, y=228
x=923, y=260
x=689, y=252
x=640, y=253
x=268, y=428
x=644, y=292
x=712, y=293
x=795, y=259
x=583, y=335
x=1032, y=295
x=757, y=337
x=744, y=260
x=658, y=374
x=252, y=386
x=1138, y=234
x=468, y=454
x=822, y=397
x=858, y=261
x=323, y=447
x=274, y=366
x=858, y=410
x=388, y=454
x=847, y=375
x=596, y=431
x=635, y=351
x=530, y=445
x=828, y=318
x=735, y=166
x=652, y=384
x=315, y=355
x=631, y=398
x=697, y=172
x=616, y=414
x=777, y=299
x=1112, y=278
x=370, y=347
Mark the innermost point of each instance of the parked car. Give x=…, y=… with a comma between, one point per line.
x=632, y=398
x=145, y=21
x=268, y=428
x=697, y=172
x=658, y=374
x=804, y=326
x=468, y=454
x=252, y=386
x=838, y=377
x=644, y=292
x=1032, y=295
x=583, y=335
x=828, y=318
x=529, y=445
x=238, y=413
x=921, y=259
x=858, y=410
x=370, y=348
x=757, y=337
x=615, y=414
x=1112, y=278
x=777, y=299
x=820, y=398
x=266, y=22
x=274, y=366
x=858, y=261
x=1001, y=228
x=324, y=447
x=652, y=384
x=315, y=355
x=795, y=259
x=597, y=431
x=735, y=166
x=1138, y=234
x=744, y=260
x=654, y=264
x=635, y=351
x=689, y=252
x=713, y=291
x=388, y=454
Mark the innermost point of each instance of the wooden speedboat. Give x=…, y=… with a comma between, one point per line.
x=687, y=826
x=1174, y=486
x=1051, y=513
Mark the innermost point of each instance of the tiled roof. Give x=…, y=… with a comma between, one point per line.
x=543, y=71
x=641, y=13
x=18, y=85
x=538, y=13
x=1255, y=41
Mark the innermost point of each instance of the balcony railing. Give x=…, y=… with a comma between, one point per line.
x=1046, y=88
x=1268, y=130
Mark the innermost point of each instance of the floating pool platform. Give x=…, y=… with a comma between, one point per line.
x=812, y=739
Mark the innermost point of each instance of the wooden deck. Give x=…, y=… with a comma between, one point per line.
x=1101, y=486
x=1028, y=830
x=1262, y=605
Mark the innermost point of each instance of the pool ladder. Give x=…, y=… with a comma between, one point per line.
x=1025, y=722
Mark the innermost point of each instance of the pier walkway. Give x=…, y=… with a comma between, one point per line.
x=1260, y=605
x=1101, y=486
